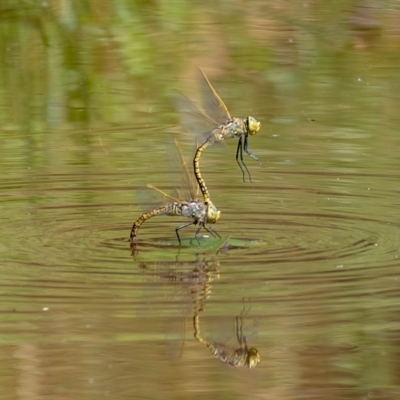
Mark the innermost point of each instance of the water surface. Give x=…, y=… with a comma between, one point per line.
x=310, y=249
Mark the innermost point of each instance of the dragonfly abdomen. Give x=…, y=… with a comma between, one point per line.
x=200, y=180
x=236, y=359
x=145, y=216
x=190, y=209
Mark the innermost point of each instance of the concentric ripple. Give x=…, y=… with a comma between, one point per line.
x=277, y=224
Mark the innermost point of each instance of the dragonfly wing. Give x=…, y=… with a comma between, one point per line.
x=150, y=197
x=192, y=118
x=212, y=103
x=175, y=332
x=182, y=172
x=178, y=303
x=189, y=282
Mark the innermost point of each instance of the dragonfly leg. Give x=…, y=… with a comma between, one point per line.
x=212, y=231
x=196, y=235
x=248, y=152
x=239, y=331
x=181, y=227
x=238, y=151
x=239, y=156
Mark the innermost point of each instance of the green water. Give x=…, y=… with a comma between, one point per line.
x=309, y=251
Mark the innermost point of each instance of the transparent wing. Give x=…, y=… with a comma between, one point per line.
x=182, y=172
x=150, y=197
x=212, y=103
x=187, y=280
x=175, y=309
x=229, y=338
x=175, y=332
x=175, y=326
x=193, y=119
x=220, y=331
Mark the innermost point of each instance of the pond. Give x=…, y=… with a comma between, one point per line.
x=302, y=283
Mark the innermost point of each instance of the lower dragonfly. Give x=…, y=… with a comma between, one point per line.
x=217, y=122
x=242, y=356
x=183, y=203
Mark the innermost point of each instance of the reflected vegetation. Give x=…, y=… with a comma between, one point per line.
x=195, y=279
x=82, y=62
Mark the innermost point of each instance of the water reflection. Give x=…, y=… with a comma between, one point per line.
x=195, y=280
x=243, y=356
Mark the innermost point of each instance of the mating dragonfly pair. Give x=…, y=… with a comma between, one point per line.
x=219, y=125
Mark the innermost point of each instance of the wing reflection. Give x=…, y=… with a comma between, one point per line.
x=240, y=355
x=192, y=283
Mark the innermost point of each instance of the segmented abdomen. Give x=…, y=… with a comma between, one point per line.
x=200, y=180
x=192, y=209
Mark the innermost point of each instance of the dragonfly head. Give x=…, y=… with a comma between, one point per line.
x=212, y=213
x=253, y=125
x=253, y=357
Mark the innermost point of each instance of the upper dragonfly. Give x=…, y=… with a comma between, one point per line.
x=215, y=123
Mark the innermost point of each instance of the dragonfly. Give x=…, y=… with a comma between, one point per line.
x=189, y=283
x=240, y=356
x=216, y=124
x=182, y=202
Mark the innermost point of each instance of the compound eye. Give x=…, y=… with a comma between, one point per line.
x=253, y=125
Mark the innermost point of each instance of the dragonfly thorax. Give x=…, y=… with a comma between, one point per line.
x=236, y=127
x=191, y=209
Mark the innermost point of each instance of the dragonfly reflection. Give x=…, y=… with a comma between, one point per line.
x=183, y=202
x=197, y=284
x=240, y=356
x=216, y=124
x=190, y=283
